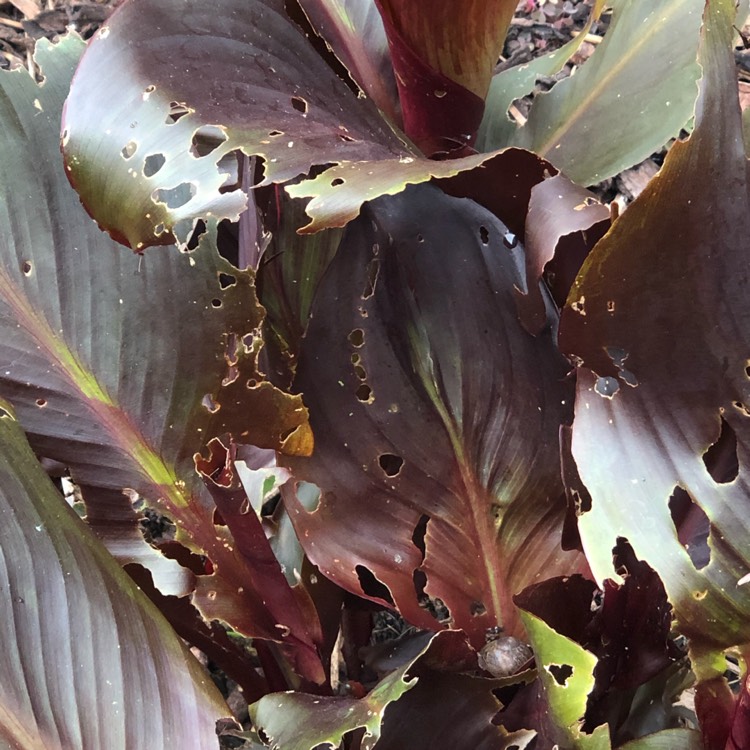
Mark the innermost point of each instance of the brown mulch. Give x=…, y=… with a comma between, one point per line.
x=22, y=22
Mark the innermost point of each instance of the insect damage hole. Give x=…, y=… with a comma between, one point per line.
x=129, y=149
x=391, y=464
x=560, y=672
x=206, y=140
x=692, y=526
x=371, y=586
x=177, y=110
x=153, y=163
x=484, y=235
x=299, y=104
x=336, y=181
x=477, y=609
x=175, y=197
x=364, y=394
x=27, y=268
x=226, y=280
x=357, y=338
x=721, y=459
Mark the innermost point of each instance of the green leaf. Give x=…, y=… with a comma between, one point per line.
x=296, y=721
x=89, y=660
x=436, y=417
x=115, y=364
x=659, y=321
x=497, y=129
x=566, y=670
x=627, y=100
x=668, y=739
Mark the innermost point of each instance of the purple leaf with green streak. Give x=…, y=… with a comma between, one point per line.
x=116, y=366
x=436, y=424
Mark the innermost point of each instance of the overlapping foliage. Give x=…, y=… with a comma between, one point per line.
x=400, y=360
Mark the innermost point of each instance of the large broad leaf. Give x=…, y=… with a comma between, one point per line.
x=89, y=662
x=108, y=359
x=435, y=416
x=242, y=68
x=629, y=98
x=659, y=321
x=514, y=83
x=182, y=84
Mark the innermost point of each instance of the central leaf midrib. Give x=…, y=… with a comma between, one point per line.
x=126, y=436
x=567, y=124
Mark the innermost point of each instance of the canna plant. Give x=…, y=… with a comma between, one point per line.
x=378, y=356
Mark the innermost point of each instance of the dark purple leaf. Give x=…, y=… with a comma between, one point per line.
x=115, y=365
x=287, y=609
x=435, y=416
x=739, y=733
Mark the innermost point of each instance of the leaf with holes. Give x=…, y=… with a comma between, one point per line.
x=625, y=629
x=436, y=426
x=627, y=100
x=659, y=322
x=298, y=721
x=162, y=156
x=497, y=129
x=115, y=366
x=75, y=627
x=566, y=671
x=404, y=709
